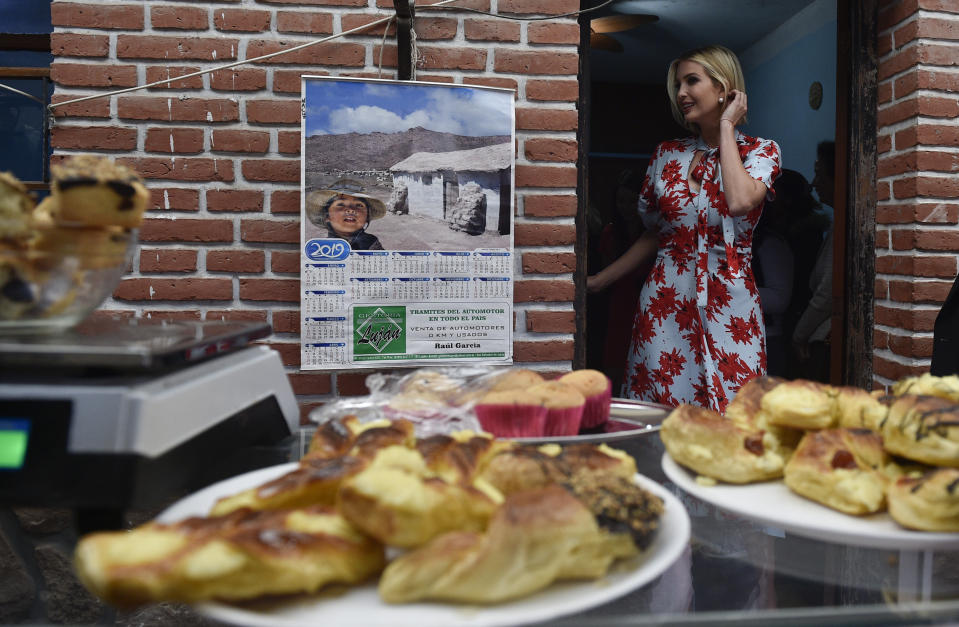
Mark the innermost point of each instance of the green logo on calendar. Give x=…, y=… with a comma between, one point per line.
x=379, y=330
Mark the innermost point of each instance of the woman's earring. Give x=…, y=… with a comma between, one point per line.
x=720, y=100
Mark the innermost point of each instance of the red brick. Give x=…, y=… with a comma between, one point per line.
x=157, y=74
x=884, y=93
x=77, y=45
x=917, y=265
x=331, y=53
x=491, y=81
x=274, y=170
x=238, y=79
x=285, y=202
x=119, y=16
x=883, y=144
x=930, y=292
x=911, y=346
x=881, y=289
x=544, y=149
x=933, y=135
x=936, y=213
x=911, y=319
x=553, y=350
x=880, y=340
x=174, y=199
x=286, y=321
x=941, y=6
x=550, y=321
x=285, y=262
x=897, y=164
x=543, y=291
x=174, y=140
x=87, y=109
x=545, y=235
x=882, y=191
x=906, y=138
x=186, y=230
x=246, y=20
x=173, y=48
x=228, y=140
x=478, y=5
x=556, y=91
x=938, y=239
x=553, y=33
x=273, y=112
x=882, y=239
x=288, y=142
x=435, y=58
x=308, y=383
x=298, y=22
x=435, y=28
x=285, y=290
x=549, y=263
x=538, y=62
x=332, y=3
x=891, y=13
x=897, y=62
x=93, y=137
x=491, y=30
x=927, y=28
x=235, y=261
x=351, y=384
x=288, y=82
x=893, y=370
x=270, y=231
x=85, y=75
x=538, y=7
x=234, y=200
x=182, y=168
x=884, y=44
x=177, y=109
x=156, y=288
x=289, y=353
x=179, y=17
x=926, y=186
x=352, y=21
x=549, y=206
x=906, y=33
x=167, y=260
x=545, y=176
x=547, y=119
x=249, y=315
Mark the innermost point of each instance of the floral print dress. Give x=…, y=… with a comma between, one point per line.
x=698, y=331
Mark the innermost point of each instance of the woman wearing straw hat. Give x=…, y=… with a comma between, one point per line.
x=698, y=333
x=346, y=210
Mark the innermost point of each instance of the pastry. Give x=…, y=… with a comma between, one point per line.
x=348, y=436
x=94, y=191
x=800, y=404
x=923, y=429
x=535, y=538
x=858, y=409
x=94, y=247
x=845, y=469
x=564, y=407
x=717, y=447
x=927, y=503
x=597, y=389
x=929, y=385
x=16, y=205
x=242, y=555
x=745, y=406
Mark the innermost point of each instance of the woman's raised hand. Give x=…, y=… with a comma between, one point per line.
x=735, y=109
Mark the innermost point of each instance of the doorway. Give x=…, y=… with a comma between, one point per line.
x=625, y=113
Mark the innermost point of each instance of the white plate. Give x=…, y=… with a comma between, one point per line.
x=362, y=605
x=772, y=503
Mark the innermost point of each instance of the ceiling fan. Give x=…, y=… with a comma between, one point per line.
x=598, y=27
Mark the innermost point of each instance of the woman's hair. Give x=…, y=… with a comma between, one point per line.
x=721, y=65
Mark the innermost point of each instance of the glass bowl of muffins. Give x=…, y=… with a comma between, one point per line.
x=61, y=258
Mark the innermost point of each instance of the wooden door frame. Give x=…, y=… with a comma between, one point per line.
x=855, y=211
x=854, y=277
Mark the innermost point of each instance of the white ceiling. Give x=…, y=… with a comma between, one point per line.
x=682, y=25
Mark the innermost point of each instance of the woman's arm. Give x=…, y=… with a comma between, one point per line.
x=641, y=250
x=743, y=192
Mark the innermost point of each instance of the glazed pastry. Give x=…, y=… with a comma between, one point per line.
x=929, y=385
x=800, y=404
x=927, y=503
x=16, y=206
x=717, y=447
x=535, y=538
x=243, y=555
x=745, y=406
x=923, y=429
x=347, y=436
x=859, y=409
x=845, y=469
x=94, y=191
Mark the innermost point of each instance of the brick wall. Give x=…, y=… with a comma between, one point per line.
x=220, y=152
x=918, y=193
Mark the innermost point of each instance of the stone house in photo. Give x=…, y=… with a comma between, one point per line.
x=433, y=182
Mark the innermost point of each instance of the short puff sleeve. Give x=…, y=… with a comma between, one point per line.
x=763, y=162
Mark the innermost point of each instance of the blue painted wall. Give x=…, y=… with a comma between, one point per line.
x=778, y=90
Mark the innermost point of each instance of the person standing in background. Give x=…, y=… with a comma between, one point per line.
x=697, y=334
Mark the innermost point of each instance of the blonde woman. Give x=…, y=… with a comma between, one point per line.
x=698, y=331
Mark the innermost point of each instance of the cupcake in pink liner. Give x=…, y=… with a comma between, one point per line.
x=564, y=407
x=516, y=379
x=598, y=390
x=511, y=414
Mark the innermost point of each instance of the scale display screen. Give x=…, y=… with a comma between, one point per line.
x=14, y=436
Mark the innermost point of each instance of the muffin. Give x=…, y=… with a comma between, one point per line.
x=94, y=191
x=516, y=379
x=512, y=414
x=16, y=205
x=96, y=247
x=564, y=407
x=597, y=389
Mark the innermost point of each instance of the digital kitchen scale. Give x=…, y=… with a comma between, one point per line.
x=117, y=414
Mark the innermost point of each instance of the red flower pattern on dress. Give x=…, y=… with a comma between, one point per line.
x=697, y=334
